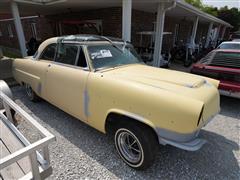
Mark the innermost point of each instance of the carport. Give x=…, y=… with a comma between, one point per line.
x=162, y=8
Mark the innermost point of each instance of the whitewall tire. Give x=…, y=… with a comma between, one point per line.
x=135, y=145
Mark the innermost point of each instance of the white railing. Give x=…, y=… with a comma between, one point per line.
x=40, y=164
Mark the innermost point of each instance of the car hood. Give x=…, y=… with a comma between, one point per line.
x=144, y=78
x=156, y=77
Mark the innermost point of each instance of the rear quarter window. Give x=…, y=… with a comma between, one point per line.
x=49, y=52
x=67, y=54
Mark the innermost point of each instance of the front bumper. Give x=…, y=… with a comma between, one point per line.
x=228, y=88
x=193, y=145
x=189, y=142
x=229, y=93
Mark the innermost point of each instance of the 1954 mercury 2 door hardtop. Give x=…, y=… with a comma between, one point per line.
x=104, y=83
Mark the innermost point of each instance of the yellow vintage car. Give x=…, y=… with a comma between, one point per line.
x=103, y=83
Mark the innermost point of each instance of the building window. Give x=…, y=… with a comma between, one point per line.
x=34, y=30
x=10, y=32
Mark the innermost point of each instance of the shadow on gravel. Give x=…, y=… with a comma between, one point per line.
x=230, y=107
x=214, y=161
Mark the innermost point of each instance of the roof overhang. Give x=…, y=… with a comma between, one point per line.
x=46, y=7
x=190, y=8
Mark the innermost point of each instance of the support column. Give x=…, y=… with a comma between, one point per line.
x=209, y=35
x=126, y=19
x=194, y=32
x=157, y=56
x=217, y=35
x=223, y=32
x=19, y=29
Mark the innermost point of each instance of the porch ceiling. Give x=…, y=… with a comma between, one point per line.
x=180, y=13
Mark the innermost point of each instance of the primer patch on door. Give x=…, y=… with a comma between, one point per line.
x=104, y=53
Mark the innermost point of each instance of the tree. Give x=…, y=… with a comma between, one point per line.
x=196, y=3
x=211, y=10
x=231, y=16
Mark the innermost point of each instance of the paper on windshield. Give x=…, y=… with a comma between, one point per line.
x=104, y=53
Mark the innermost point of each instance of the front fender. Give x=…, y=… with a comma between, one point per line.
x=133, y=116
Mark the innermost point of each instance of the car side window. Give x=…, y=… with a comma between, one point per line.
x=81, y=59
x=67, y=54
x=49, y=52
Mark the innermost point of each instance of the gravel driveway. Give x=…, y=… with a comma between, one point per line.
x=82, y=152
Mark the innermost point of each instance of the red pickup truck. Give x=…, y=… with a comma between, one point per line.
x=224, y=65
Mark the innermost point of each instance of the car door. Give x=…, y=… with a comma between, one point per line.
x=66, y=80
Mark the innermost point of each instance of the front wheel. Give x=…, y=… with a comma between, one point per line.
x=136, y=145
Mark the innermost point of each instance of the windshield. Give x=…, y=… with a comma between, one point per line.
x=229, y=46
x=107, y=56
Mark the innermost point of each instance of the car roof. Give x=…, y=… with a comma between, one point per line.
x=88, y=38
x=84, y=39
x=228, y=50
x=230, y=42
x=236, y=40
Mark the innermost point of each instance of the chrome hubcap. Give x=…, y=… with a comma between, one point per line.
x=129, y=147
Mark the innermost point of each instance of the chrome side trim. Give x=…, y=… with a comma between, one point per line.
x=28, y=74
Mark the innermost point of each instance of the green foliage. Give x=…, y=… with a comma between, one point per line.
x=196, y=3
x=231, y=16
x=211, y=10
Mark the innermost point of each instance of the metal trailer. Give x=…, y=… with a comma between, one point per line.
x=20, y=159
